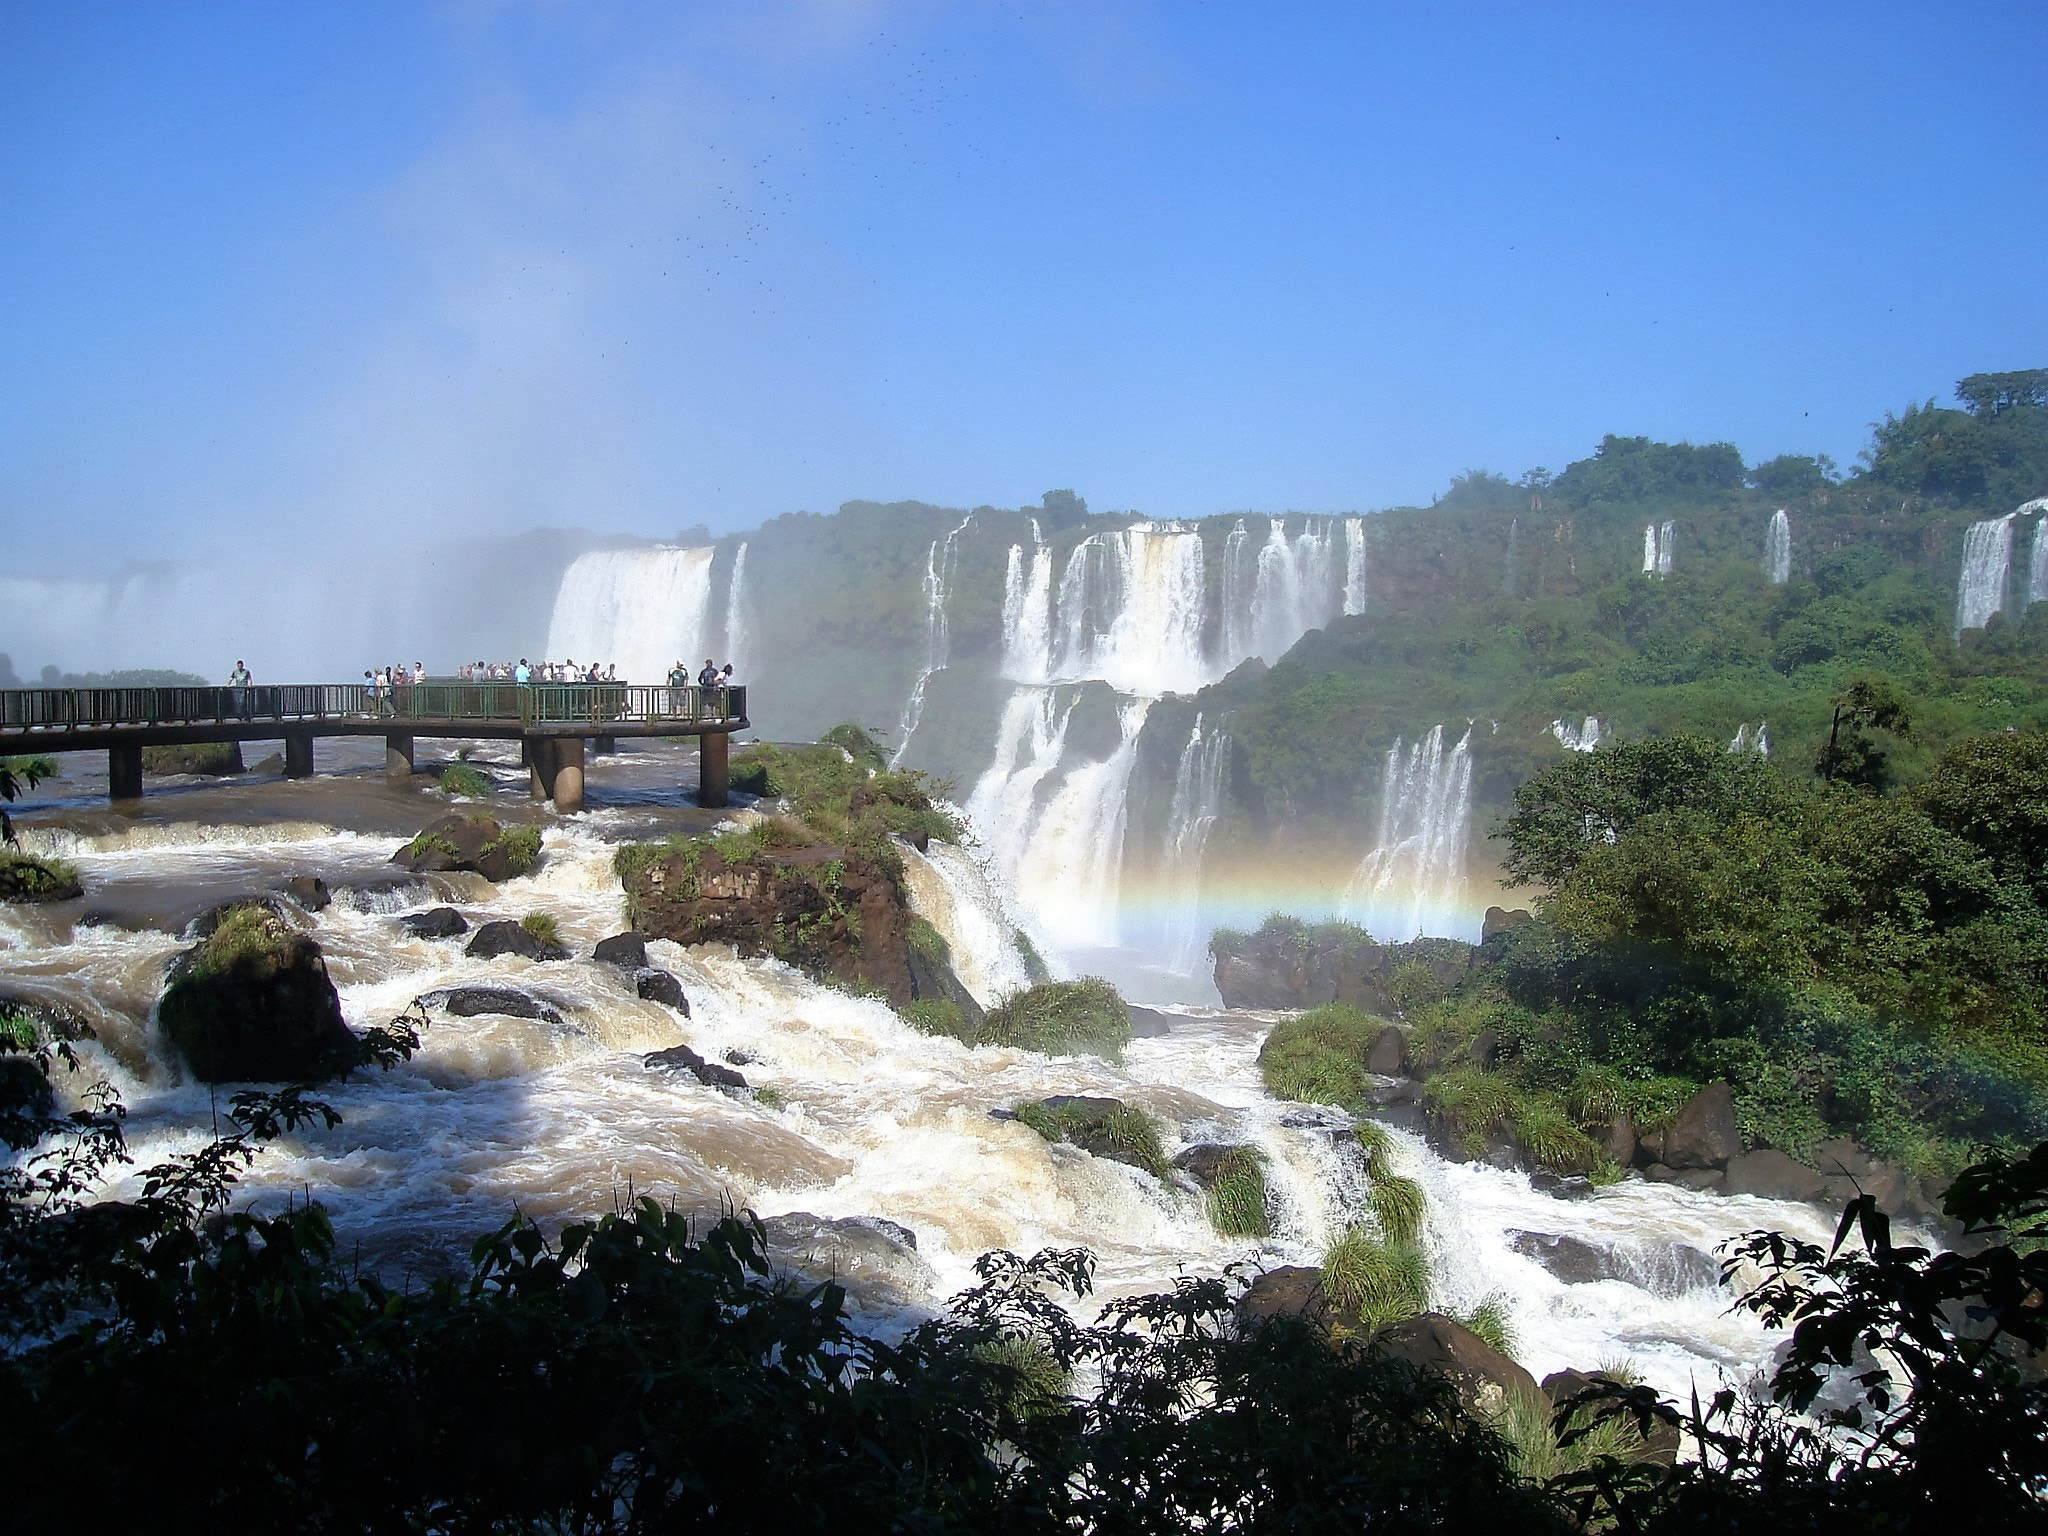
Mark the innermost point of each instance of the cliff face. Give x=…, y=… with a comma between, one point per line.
x=1285, y=966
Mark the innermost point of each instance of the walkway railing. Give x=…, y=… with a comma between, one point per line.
x=38, y=711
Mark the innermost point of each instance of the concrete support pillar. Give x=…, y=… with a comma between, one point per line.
x=298, y=755
x=124, y=772
x=540, y=763
x=711, y=770
x=606, y=746
x=398, y=759
x=568, y=786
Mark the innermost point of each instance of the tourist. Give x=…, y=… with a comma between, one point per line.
x=611, y=672
x=521, y=673
x=707, y=675
x=239, y=680
x=419, y=673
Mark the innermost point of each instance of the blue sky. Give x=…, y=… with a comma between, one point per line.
x=279, y=274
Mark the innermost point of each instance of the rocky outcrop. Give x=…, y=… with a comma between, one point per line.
x=655, y=985
x=435, y=923
x=1389, y=1054
x=309, y=893
x=680, y=1058
x=931, y=977
x=1292, y=1290
x=508, y=938
x=1502, y=920
x=1484, y=1379
x=469, y=1002
x=627, y=951
x=1701, y=1135
x=1662, y=1268
x=471, y=842
x=215, y=758
x=252, y=1002
x=1148, y=1023
x=1774, y=1175
x=1204, y=1161
x=874, y=1260
x=1305, y=968
x=1660, y=1443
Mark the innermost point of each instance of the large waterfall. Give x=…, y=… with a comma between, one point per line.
x=1027, y=612
x=1657, y=545
x=736, y=636
x=1130, y=609
x=1288, y=586
x=2037, y=567
x=641, y=610
x=1197, y=802
x=1987, y=561
x=1577, y=738
x=938, y=577
x=1413, y=880
x=1354, y=565
x=1778, y=549
x=1029, y=740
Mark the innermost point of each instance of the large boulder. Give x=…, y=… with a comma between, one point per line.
x=308, y=892
x=508, y=938
x=1292, y=1290
x=1389, y=1054
x=1662, y=1268
x=627, y=951
x=471, y=842
x=680, y=1058
x=1850, y=1171
x=435, y=923
x=876, y=1261
x=252, y=1002
x=470, y=1002
x=1773, y=1174
x=1502, y=920
x=655, y=985
x=932, y=977
x=1703, y=1133
x=1148, y=1023
x=1660, y=1444
x=1484, y=1379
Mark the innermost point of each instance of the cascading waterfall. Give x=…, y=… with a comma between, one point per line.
x=1027, y=613
x=1029, y=740
x=1577, y=738
x=736, y=636
x=1752, y=738
x=1658, y=541
x=1414, y=879
x=1778, y=549
x=1070, y=872
x=2037, y=567
x=1354, y=565
x=1197, y=802
x=964, y=900
x=640, y=610
x=1987, y=561
x=938, y=576
x=1130, y=611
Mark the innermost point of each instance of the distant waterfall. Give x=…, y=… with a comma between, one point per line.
x=1197, y=802
x=1752, y=738
x=1414, y=879
x=1027, y=612
x=1130, y=609
x=1029, y=741
x=736, y=636
x=1778, y=549
x=641, y=610
x=938, y=576
x=2037, y=567
x=1657, y=545
x=1577, y=738
x=1987, y=561
x=1070, y=873
x=1354, y=565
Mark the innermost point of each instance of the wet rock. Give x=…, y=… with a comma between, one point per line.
x=1774, y=1175
x=207, y=923
x=1389, y=1054
x=876, y=1261
x=470, y=1002
x=508, y=938
x=1662, y=1268
x=1850, y=1171
x=628, y=951
x=1702, y=1134
x=1148, y=1023
x=1573, y=1260
x=252, y=1002
x=1660, y=1443
x=739, y=1058
x=680, y=1058
x=1101, y=1127
x=271, y=766
x=934, y=978
x=1481, y=1050
x=1293, y=1290
x=1203, y=1161
x=1705, y=1180
x=1617, y=1138
x=1561, y=1186
x=58, y=1020
x=1484, y=1379
x=24, y=1090
x=1502, y=920
x=308, y=892
x=472, y=842
x=659, y=986
x=212, y=758
x=435, y=923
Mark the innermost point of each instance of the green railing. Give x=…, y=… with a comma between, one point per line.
x=36, y=711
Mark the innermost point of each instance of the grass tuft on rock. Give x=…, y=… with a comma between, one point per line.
x=1318, y=1057
x=1060, y=1018
x=542, y=926
x=1237, y=1197
x=1377, y=1282
x=935, y=1016
x=521, y=847
x=1490, y=1322
x=1396, y=1204
x=460, y=778
x=1121, y=1131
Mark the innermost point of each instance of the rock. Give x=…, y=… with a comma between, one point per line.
x=934, y=978
x=1502, y=920
x=1617, y=1138
x=435, y=923
x=469, y=1002
x=207, y=923
x=740, y=1058
x=1773, y=1175
x=1389, y=1054
x=1147, y=1023
x=876, y=1261
x=1850, y=1171
x=472, y=842
x=1661, y=1443
x=252, y=1002
x=309, y=892
x=1702, y=1134
x=628, y=951
x=1202, y=1161
x=1707, y=1180
x=1083, y=1123
x=680, y=1058
x=659, y=986
x=1485, y=1379
x=508, y=938
x=1481, y=1050
x=24, y=1090
x=214, y=758
x=26, y=878
x=1561, y=1186
x=271, y=766
x=1662, y=1268
x=1293, y=1290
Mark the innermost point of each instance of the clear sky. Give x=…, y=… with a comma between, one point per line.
x=277, y=273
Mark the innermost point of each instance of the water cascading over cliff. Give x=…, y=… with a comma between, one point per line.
x=1413, y=880
x=1197, y=802
x=640, y=610
x=1987, y=561
x=1658, y=540
x=938, y=577
x=2037, y=566
x=1778, y=549
x=1577, y=738
x=736, y=635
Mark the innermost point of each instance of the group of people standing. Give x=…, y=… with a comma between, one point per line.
x=523, y=671
x=710, y=675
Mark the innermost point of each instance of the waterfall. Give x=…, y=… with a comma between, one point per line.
x=964, y=902
x=1029, y=741
x=1070, y=871
x=1197, y=801
x=1297, y=588
x=938, y=575
x=1027, y=612
x=1413, y=881
x=1240, y=582
x=736, y=615
x=2037, y=567
x=1354, y=565
x=1130, y=611
x=1577, y=738
x=1778, y=549
x=1987, y=559
x=641, y=610
x=1752, y=738
x=1649, y=549
x=1658, y=540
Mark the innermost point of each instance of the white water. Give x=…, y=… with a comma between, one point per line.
x=1778, y=549
x=736, y=635
x=938, y=576
x=641, y=610
x=1003, y=805
x=1987, y=561
x=1070, y=873
x=876, y=1120
x=1129, y=611
x=1658, y=542
x=1287, y=587
x=1354, y=565
x=1752, y=738
x=2037, y=567
x=1197, y=802
x=1413, y=880
x=958, y=895
x=1577, y=738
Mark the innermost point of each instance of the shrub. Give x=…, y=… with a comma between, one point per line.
x=1037, y=1383
x=1034, y=963
x=1397, y=1205
x=1378, y=1283
x=25, y=877
x=542, y=926
x=521, y=847
x=1237, y=1196
x=1060, y=1018
x=1318, y=1057
x=459, y=778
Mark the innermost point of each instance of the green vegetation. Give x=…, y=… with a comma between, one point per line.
x=935, y=1016
x=520, y=846
x=842, y=791
x=542, y=926
x=33, y=768
x=1060, y=1018
x=207, y=757
x=250, y=939
x=1237, y=1194
x=1489, y=1320
x=459, y=778
x=927, y=941
x=1376, y=1281
x=1118, y=1130
x=1396, y=1204
x=28, y=877
x=1318, y=1057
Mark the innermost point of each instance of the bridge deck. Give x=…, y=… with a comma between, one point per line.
x=553, y=719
